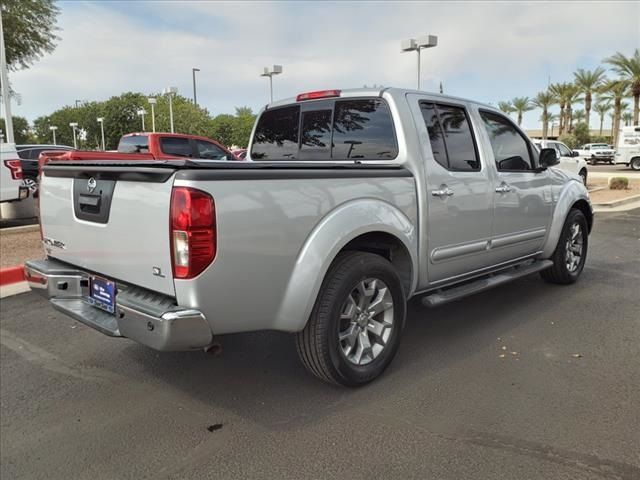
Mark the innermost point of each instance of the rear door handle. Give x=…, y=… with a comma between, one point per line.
x=503, y=188
x=443, y=192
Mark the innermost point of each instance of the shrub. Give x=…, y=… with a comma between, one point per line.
x=619, y=183
x=569, y=140
x=602, y=139
x=581, y=132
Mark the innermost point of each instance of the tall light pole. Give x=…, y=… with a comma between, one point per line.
x=4, y=83
x=53, y=129
x=101, y=122
x=170, y=91
x=142, y=112
x=195, y=98
x=74, y=125
x=277, y=70
x=152, y=102
x=417, y=44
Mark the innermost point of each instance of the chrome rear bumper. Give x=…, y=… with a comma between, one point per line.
x=141, y=315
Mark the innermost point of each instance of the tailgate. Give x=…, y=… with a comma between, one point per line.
x=114, y=222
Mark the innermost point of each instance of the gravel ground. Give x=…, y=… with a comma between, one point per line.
x=602, y=196
x=16, y=247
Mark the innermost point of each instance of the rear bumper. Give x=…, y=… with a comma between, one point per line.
x=147, y=317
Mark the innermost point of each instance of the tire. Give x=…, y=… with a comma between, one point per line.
x=336, y=314
x=635, y=163
x=593, y=161
x=583, y=175
x=32, y=184
x=561, y=273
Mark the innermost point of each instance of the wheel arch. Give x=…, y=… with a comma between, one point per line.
x=368, y=225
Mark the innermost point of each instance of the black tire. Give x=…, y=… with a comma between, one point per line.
x=560, y=272
x=318, y=344
x=583, y=175
x=593, y=161
x=635, y=163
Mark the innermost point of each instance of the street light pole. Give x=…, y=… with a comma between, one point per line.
x=277, y=70
x=101, y=122
x=152, y=102
x=413, y=44
x=73, y=125
x=53, y=129
x=171, y=91
x=142, y=113
x=195, y=98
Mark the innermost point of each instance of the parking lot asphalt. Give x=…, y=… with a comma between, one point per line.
x=561, y=402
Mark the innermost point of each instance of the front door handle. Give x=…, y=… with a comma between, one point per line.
x=503, y=188
x=443, y=192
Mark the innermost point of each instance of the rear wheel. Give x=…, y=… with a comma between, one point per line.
x=32, y=184
x=355, y=326
x=571, y=252
x=593, y=161
x=635, y=163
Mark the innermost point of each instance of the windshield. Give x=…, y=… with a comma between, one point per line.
x=599, y=146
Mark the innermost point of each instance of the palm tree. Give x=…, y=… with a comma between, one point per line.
x=602, y=107
x=629, y=69
x=521, y=105
x=561, y=91
x=505, y=107
x=573, y=96
x=551, y=119
x=587, y=82
x=615, y=90
x=543, y=100
x=579, y=116
x=627, y=117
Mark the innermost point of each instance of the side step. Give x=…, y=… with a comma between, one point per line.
x=485, y=283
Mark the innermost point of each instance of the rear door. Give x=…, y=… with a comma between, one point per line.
x=459, y=194
x=113, y=223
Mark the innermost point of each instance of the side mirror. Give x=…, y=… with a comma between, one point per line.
x=548, y=157
x=575, y=153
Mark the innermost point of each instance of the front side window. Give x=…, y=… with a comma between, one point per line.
x=210, y=151
x=180, y=147
x=510, y=148
x=363, y=129
x=564, y=150
x=276, y=136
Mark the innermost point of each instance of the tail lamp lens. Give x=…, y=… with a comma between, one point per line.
x=193, y=231
x=15, y=167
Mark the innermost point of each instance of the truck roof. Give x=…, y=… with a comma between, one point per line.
x=378, y=91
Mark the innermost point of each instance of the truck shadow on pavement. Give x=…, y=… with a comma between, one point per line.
x=258, y=376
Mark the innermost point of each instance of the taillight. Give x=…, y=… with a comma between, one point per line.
x=15, y=167
x=193, y=231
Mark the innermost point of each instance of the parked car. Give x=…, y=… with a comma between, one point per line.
x=569, y=160
x=628, y=147
x=596, y=152
x=11, y=188
x=355, y=201
x=29, y=159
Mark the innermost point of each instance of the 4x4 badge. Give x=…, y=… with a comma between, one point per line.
x=91, y=185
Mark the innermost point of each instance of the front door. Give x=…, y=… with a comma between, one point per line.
x=522, y=194
x=459, y=197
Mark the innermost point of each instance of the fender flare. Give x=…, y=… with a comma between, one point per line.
x=572, y=192
x=336, y=229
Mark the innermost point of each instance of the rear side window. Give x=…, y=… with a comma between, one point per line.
x=276, y=136
x=363, y=129
x=358, y=129
x=510, y=148
x=210, y=151
x=177, y=146
x=451, y=138
x=134, y=143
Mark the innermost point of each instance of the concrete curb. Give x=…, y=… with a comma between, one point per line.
x=12, y=281
x=622, y=208
x=618, y=203
x=22, y=229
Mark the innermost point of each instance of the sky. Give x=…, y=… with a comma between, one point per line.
x=487, y=51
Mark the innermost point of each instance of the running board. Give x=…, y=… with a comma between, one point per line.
x=485, y=283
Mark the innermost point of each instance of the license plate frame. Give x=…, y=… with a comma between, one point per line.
x=102, y=293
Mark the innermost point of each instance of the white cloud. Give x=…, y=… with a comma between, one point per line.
x=487, y=51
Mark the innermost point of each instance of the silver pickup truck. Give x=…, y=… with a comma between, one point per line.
x=353, y=202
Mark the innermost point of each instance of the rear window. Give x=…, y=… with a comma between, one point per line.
x=134, y=143
x=180, y=147
x=340, y=130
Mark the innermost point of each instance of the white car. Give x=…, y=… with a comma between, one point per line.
x=596, y=152
x=628, y=148
x=11, y=174
x=569, y=160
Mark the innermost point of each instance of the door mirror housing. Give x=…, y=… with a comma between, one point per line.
x=575, y=153
x=548, y=158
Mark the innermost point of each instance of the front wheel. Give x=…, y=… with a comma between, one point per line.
x=354, y=330
x=593, y=161
x=635, y=163
x=571, y=251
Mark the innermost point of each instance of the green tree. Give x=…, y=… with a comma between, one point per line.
x=245, y=118
x=21, y=130
x=579, y=116
x=601, y=108
x=588, y=82
x=505, y=107
x=29, y=27
x=520, y=106
x=627, y=117
x=544, y=100
x=628, y=68
x=223, y=129
x=581, y=133
x=573, y=96
x=561, y=92
x=615, y=90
